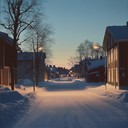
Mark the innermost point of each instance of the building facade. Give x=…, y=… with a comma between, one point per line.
x=8, y=55
x=95, y=70
x=116, y=46
x=31, y=66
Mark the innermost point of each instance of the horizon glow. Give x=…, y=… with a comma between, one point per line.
x=77, y=20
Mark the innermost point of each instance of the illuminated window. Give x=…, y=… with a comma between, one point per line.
x=116, y=75
x=116, y=53
x=108, y=57
x=112, y=80
x=108, y=75
x=111, y=55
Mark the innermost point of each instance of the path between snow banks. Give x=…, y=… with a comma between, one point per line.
x=72, y=108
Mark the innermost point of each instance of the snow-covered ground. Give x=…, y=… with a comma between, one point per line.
x=64, y=103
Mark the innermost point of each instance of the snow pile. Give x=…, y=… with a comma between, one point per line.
x=10, y=97
x=25, y=82
x=4, y=88
x=123, y=98
x=12, y=107
x=112, y=94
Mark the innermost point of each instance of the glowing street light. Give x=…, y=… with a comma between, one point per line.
x=36, y=64
x=40, y=49
x=96, y=47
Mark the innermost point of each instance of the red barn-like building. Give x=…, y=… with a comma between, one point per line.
x=8, y=55
x=116, y=46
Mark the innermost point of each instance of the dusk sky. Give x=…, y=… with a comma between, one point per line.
x=77, y=20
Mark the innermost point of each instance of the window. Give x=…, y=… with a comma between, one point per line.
x=112, y=80
x=109, y=75
x=116, y=53
x=116, y=75
x=108, y=57
x=111, y=55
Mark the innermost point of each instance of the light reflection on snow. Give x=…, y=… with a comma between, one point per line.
x=73, y=103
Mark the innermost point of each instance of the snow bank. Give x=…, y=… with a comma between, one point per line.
x=12, y=107
x=112, y=94
x=10, y=97
x=123, y=98
x=3, y=88
x=25, y=82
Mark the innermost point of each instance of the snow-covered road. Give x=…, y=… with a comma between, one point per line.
x=72, y=105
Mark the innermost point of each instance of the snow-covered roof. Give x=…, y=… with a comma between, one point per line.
x=6, y=38
x=53, y=69
x=118, y=34
x=92, y=64
x=29, y=55
x=83, y=62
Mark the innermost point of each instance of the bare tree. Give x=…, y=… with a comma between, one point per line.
x=85, y=50
x=17, y=18
x=40, y=39
x=72, y=61
x=40, y=36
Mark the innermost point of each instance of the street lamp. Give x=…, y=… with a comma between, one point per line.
x=96, y=47
x=35, y=65
x=40, y=49
x=83, y=62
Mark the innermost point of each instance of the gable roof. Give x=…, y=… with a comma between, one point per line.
x=6, y=38
x=93, y=64
x=118, y=34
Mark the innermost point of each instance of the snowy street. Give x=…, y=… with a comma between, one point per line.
x=74, y=104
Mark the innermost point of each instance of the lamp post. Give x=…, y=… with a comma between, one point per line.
x=37, y=58
x=36, y=65
x=96, y=47
x=40, y=49
x=83, y=63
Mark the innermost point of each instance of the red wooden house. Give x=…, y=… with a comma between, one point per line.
x=95, y=70
x=7, y=57
x=116, y=46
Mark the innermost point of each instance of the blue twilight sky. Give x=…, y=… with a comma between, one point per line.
x=77, y=20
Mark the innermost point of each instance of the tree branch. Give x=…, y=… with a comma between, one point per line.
x=27, y=25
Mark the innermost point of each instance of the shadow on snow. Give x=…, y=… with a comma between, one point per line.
x=70, y=85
